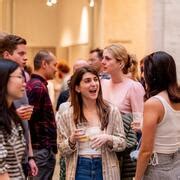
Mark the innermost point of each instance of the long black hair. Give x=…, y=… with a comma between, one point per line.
x=7, y=114
x=160, y=74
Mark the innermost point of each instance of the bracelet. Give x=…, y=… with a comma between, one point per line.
x=31, y=157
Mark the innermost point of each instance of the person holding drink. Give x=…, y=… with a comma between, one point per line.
x=12, y=141
x=14, y=47
x=90, y=130
x=128, y=96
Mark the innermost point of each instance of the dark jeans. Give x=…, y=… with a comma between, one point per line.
x=45, y=160
x=89, y=169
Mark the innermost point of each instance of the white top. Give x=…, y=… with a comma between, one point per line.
x=167, y=138
x=85, y=145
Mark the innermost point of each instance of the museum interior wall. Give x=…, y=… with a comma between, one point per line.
x=71, y=27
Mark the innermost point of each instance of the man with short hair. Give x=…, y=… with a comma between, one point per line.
x=42, y=123
x=95, y=60
x=13, y=47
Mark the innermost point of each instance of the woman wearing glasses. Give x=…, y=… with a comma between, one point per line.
x=12, y=142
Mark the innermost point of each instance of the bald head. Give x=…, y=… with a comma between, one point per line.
x=79, y=63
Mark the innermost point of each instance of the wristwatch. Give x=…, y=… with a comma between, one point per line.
x=31, y=157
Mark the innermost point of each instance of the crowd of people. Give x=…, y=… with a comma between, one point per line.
x=103, y=113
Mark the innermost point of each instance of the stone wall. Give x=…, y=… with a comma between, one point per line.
x=165, y=28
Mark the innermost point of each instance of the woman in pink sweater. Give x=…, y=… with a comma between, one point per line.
x=125, y=93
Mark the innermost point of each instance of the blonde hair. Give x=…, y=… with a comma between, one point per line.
x=120, y=53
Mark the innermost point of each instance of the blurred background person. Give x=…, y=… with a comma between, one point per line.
x=64, y=95
x=61, y=78
x=29, y=70
x=159, y=156
x=95, y=60
x=133, y=70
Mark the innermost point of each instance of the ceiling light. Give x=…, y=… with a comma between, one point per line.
x=49, y=3
x=54, y=1
x=91, y=3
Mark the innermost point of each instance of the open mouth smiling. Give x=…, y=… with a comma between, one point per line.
x=93, y=91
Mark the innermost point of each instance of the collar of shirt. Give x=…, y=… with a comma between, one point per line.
x=23, y=73
x=40, y=78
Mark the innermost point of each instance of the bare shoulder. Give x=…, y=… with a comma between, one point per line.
x=153, y=104
x=154, y=108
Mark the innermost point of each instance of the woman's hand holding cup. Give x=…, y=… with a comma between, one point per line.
x=79, y=134
x=25, y=111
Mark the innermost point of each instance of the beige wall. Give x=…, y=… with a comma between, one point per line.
x=36, y=22
x=71, y=36
x=6, y=15
x=164, y=28
x=1, y=15
x=141, y=26
x=124, y=22
x=70, y=21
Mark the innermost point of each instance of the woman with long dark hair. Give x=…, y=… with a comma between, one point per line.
x=90, y=131
x=12, y=142
x=159, y=156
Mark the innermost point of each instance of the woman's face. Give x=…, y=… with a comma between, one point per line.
x=15, y=85
x=110, y=64
x=89, y=86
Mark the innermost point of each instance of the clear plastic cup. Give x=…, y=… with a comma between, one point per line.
x=82, y=131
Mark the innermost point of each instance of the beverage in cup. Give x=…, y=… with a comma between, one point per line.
x=82, y=131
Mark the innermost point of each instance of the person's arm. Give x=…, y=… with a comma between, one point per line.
x=66, y=142
x=24, y=112
x=31, y=160
x=4, y=176
x=136, y=95
x=115, y=141
x=153, y=111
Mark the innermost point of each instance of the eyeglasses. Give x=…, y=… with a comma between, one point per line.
x=18, y=76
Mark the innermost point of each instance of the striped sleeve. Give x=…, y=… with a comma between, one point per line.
x=131, y=137
x=3, y=154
